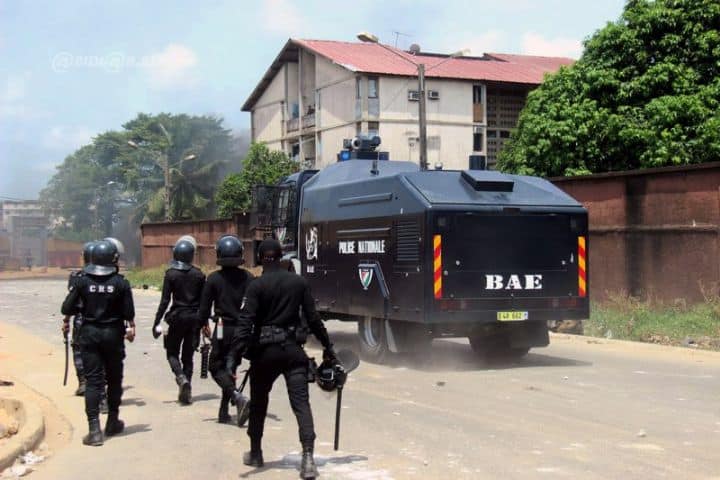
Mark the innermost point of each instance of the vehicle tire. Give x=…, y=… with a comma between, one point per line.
x=373, y=339
x=411, y=337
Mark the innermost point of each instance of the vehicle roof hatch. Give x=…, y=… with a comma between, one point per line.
x=488, y=181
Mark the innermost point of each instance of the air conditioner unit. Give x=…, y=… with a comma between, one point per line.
x=433, y=95
x=413, y=95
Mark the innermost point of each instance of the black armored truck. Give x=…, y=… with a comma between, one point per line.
x=412, y=255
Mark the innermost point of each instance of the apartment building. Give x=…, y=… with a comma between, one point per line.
x=317, y=93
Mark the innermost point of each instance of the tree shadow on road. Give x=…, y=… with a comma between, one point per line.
x=138, y=402
x=205, y=397
x=233, y=423
x=292, y=462
x=134, y=429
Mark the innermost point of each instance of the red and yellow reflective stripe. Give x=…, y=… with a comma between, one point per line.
x=582, y=268
x=437, y=265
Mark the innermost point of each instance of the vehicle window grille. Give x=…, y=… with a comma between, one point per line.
x=407, y=242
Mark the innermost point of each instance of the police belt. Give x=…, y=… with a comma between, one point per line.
x=274, y=334
x=104, y=323
x=227, y=321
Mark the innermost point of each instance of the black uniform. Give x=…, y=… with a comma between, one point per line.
x=76, y=325
x=224, y=291
x=271, y=312
x=105, y=302
x=185, y=287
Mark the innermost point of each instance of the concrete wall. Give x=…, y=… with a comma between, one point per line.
x=159, y=238
x=64, y=254
x=653, y=232
x=267, y=116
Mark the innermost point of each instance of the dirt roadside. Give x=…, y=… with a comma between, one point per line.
x=35, y=273
x=35, y=368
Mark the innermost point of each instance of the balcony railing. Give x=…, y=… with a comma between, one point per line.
x=308, y=120
x=293, y=124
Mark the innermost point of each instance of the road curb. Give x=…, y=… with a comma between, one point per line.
x=30, y=434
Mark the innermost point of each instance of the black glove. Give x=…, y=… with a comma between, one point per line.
x=155, y=332
x=329, y=355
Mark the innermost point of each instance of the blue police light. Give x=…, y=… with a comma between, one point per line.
x=344, y=155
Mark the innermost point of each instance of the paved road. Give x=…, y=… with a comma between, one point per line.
x=581, y=408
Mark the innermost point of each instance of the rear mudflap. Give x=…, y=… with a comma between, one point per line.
x=515, y=334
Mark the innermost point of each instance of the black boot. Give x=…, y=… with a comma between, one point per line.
x=80, y=391
x=95, y=437
x=242, y=404
x=114, y=425
x=184, y=389
x=253, y=458
x=308, y=470
x=223, y=414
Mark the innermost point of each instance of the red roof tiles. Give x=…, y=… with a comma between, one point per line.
x=385, y=60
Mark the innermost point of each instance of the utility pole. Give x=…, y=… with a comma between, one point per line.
x=422, y=117
x=422, y=120
x=166, y=173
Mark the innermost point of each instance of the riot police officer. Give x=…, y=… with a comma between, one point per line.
x=76, y=326
x=104, y=299
x=77, y=322
x=224, y=291
x=272, y=333
x=184, y=283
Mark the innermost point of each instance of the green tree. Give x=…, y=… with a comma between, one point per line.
x=78, y=192
x=261, y=166
x=196, y=149
x=99, y=181
x=645, y=93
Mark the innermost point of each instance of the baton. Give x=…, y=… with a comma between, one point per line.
x=67, y=357
x=244, y=380
x=338, y=407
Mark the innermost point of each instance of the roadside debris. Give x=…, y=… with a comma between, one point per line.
x=9, y=425
x=642, y=434
x=31, y=458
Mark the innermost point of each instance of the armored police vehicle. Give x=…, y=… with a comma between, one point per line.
x=413, y=255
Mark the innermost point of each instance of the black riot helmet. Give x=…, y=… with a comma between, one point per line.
x=87, y=251
x=330, y=376
x=118, y=244
x=269, y=251
x=103, y=259
x=229, y=250
x=183, y=253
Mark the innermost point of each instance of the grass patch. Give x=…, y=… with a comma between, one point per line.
x=628, y=318
x=153, y=277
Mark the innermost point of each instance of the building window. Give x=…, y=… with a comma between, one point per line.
x=373, y=129
x=477, y=94
x=372, y=87
x=357, y=87
x=477, y=140
x=413, y=95
x=358, y=128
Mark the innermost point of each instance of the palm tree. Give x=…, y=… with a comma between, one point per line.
x=195, y=148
